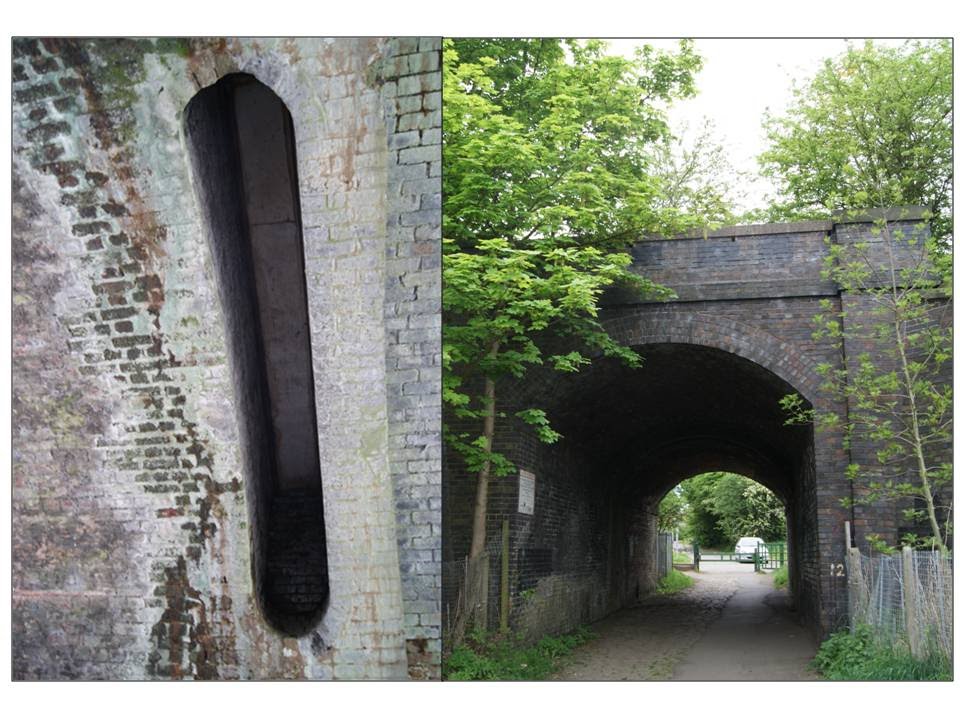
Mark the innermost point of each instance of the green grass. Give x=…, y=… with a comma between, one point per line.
x=781, y=578
x=505, y=658
x=682, y=558
x=859, y=656
x=673, y=582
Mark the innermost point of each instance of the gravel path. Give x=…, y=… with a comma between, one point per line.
x=731, y=625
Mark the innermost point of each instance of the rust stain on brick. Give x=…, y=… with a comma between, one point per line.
x=183, y=640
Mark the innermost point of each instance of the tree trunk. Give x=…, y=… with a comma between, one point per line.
x=919, y=451
x=478, y=542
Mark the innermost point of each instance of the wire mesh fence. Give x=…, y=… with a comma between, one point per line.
x=664, y=554
x=482, y=592
x=471, y=592
x=907, y=598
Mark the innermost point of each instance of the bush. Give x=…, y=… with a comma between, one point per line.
x=674, y=581
x=504, y=658
x=859, y=655
x=781, y=577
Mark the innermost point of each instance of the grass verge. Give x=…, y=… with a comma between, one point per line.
x=859, y=655
x=682, y=558
x=504, y=658
x=781, y=577
x=674, y=581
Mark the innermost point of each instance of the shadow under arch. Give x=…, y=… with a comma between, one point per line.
x=701, y=402
x=240, y=138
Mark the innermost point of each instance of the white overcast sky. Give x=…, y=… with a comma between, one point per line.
x=740, y=80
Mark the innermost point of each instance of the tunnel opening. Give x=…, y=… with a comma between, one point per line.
x=708, y=515
x=587, y=548
x=240, y=138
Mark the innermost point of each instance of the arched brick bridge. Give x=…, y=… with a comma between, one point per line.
x=717, y=360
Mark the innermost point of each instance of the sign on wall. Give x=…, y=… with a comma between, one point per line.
x=527, y=485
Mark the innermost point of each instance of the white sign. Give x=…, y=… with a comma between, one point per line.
x=527, y=485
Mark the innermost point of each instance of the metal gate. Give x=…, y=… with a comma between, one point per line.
x=711, y=556
x=770, y=556
x=767, y=556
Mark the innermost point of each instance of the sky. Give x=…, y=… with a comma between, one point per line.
x=740, y=80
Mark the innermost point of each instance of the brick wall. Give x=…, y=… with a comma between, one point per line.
x=132, y=512
x=411, y=104
x=559, y=555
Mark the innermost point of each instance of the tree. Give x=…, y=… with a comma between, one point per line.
x=498, y=301
x=873, y=128
x=898, y=391
x=672, y=510
x=545, y=184
x=697, y=186
x=723, y=507
x=702, y=522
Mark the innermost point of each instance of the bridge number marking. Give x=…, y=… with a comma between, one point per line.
x=836, y=569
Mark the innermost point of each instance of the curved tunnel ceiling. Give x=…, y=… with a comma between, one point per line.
x=689, y=409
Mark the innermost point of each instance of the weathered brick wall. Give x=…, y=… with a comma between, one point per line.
x=132, y=523
x=412, y=321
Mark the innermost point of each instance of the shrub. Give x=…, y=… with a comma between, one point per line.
x=859, y=655
x=674, y=581
x=505, y=658
x=781, y=577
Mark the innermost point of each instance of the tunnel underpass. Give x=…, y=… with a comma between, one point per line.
x=587, y=548
x=689, y=409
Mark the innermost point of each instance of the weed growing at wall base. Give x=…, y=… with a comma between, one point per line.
x=858, y=655
x=781, y=578
x=505, y=658
x=673, y=582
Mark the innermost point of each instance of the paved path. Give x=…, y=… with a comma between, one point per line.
x=731, y=625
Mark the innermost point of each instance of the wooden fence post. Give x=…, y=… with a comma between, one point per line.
x=854, y=585
x=505, y=577
x=910, y=601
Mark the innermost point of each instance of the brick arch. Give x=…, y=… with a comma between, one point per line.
x=673, y=464
x=674, y=325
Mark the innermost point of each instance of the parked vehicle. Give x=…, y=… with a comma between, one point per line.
x=747, y=547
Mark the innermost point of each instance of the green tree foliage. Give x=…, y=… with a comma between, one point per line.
x=696, y=185
x=874, y=128
x=672, y=510
x=898, y=394
x=723, y=507
x=545, y=184
x=551, y=139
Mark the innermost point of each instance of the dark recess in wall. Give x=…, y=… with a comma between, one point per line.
x=241, y=141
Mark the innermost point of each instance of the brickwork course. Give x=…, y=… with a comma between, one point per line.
x=717, y=360
x=136, y=517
